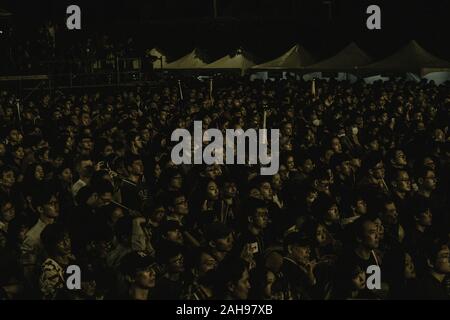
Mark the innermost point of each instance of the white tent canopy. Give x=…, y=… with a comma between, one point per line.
x=237, y=61
x=438, y=77
x=411, y=58
x=190, y=61
x=296, y=58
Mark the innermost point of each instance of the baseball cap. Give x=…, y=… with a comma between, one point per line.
x=216, y=230
x=136, y=261
x=297, y=239
x=169, y=225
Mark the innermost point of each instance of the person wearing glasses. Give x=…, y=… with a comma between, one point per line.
x=298, y=266
x=58, y=247
x=172, y=284
x=431, y=285
x=373, y=171
x=402, y=193
x=433, y=191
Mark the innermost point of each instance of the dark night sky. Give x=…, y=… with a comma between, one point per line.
x=264, y=27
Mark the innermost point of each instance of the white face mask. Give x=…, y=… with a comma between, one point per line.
x=355, y=131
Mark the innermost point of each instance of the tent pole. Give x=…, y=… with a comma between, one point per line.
x=215, y=8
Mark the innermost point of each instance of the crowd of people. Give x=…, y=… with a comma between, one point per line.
x=86, y=179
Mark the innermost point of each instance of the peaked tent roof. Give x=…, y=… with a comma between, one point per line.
x=190, y=61
x=237, y=61
x=296, y=58
x=410, y=58
x=349, y=58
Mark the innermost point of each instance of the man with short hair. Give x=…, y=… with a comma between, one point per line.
x=362, y=252
x=145, y=228
x=344, y=177
x=7, y=214
x=204, y=275
x=46, y=204
x=86, y=145
x=398, y=160
x=123, y=231
x=139, y=270
x=178, y=208
x=135, y=144
x=233, y=280
x=427, y=181
x=174, y=180
x=393, y=230
x=287, y=129
x=219, y=239
x=172, y=284
x=305, y=168
x=419, y=234
x=133, y=189
x=85, y=170
x=401, y=193
x=178, y=211
x=170, y=231
x=17, y=162
x=431, y=285
x=7, y=182
x=321, y=182
x=230, y=206
x=105, y=193
x=14, y=137
x=57, y=244
x=335, y=145
x=277, y=213
x=355, y=208
x=253, y=235
x=298, y=267
x=373, y=182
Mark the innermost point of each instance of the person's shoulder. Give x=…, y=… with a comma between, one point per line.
x=289, y=266
x=30, y=237
x=430, y=288
x=427, y=280
x=245, y=236
x=3, y=227
x=347, y=258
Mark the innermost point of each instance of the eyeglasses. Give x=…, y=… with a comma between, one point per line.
x=177, y=260
x=8, y=209
x=178, y=203
x=324, y=183
x=262, y=214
